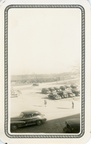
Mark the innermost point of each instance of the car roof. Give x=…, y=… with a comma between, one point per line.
x=30, y=112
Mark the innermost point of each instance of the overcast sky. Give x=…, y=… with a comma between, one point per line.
x=44, y=40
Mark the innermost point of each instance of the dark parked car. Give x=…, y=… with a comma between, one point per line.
x=54, y=96
x=27, y=118
x=45, y=91
x=35, y=84
x=62, y=88
x=51, y=89
x=72, y=126
x=60, y=93
x=76, y=92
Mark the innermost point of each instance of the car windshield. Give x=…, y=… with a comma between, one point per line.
x=21, y=114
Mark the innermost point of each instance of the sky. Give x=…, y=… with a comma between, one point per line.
x=44, y=41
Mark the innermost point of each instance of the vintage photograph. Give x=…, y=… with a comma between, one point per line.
x=44, y=70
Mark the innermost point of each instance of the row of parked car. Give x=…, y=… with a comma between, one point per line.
x=61, y=92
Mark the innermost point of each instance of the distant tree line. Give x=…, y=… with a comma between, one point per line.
x=41, y=78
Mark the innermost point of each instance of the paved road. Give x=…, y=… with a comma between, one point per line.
x=51, y=126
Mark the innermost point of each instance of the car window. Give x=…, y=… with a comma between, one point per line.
x=27, y=115
x=36, y=114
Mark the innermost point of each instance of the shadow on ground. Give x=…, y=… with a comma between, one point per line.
x=50, y=126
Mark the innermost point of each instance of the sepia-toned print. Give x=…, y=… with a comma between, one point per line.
x=45, y=79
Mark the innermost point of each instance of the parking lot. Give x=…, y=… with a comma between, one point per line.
x=55, y=111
